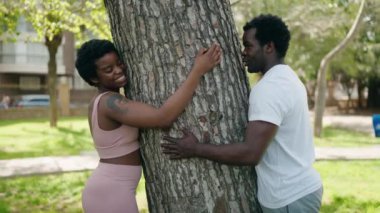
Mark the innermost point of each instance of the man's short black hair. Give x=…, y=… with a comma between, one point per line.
x=88, y=53
x=270, y=28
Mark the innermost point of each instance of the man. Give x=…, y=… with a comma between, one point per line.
x=278, y=138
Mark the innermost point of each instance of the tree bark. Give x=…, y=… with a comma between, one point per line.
x=158, y=41
x=320, y=95
x=52, y=46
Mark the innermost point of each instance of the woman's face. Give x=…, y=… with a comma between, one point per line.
x=110, y=71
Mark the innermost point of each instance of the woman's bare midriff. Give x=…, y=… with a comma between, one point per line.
x=132, y=158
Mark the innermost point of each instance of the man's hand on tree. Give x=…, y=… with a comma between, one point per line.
x=178, y=148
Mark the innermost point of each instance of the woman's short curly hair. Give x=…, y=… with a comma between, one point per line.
x=270, y=28
x=88, y=53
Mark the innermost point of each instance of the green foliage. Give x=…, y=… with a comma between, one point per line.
x=97, y=22
x=360, y=61
x=52, y=17
x=316, y=27
x=34, y=138
x=8, y=20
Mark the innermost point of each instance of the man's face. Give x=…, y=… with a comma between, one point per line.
x=253, y=54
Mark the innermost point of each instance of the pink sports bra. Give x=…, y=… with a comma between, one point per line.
x=112, y=143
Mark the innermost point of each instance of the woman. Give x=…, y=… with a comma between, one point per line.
x=114, y=121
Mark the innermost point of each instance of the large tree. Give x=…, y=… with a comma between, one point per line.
x=158, y=41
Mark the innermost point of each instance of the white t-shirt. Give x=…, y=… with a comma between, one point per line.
x=285, y=172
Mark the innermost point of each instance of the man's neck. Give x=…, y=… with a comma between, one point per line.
x=272, y=63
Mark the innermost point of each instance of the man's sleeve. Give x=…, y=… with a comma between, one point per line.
x=266, y=103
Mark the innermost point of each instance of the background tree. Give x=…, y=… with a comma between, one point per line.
x=359, y=61
x=8, y=20
x=315, y=27
x=368, y=56
x=50, y=19
x=158, y=41
x=320, y=96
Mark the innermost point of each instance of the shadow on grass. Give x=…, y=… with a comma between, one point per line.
x=338, y=135
x=77, y=140
x=4, y=123
x=79, y=133
x=350, y=204
x=61, y=142
x=18, y=121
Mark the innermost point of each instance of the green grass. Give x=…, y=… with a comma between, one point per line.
x=34, y=138
x=51, y=193
x=349, y=187
x=339, y=137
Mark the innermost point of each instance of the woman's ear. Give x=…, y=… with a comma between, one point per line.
x=94, y=80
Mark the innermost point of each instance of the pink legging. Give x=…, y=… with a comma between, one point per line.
x=111, y=188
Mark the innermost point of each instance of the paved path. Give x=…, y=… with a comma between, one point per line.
x=352, y=153
x=46, y=165
x=88, y=161
x=360, y=123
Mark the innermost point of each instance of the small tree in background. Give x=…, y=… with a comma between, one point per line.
x=320, y=95
x=50, y=19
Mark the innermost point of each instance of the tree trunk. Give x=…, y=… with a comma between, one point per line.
x=320, y=95
x=360, y=89
x=52, y=46
x=331, y=100
x=373, y=100
x=158, y=41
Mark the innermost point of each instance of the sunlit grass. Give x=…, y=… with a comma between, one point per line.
x=51, y=193
x=350, y=186
x=33, y=138
x=339, y=137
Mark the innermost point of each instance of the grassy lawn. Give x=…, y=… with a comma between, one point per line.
x=345, y=138
x=51, y=193
x=349, y=187
x=33, y=138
